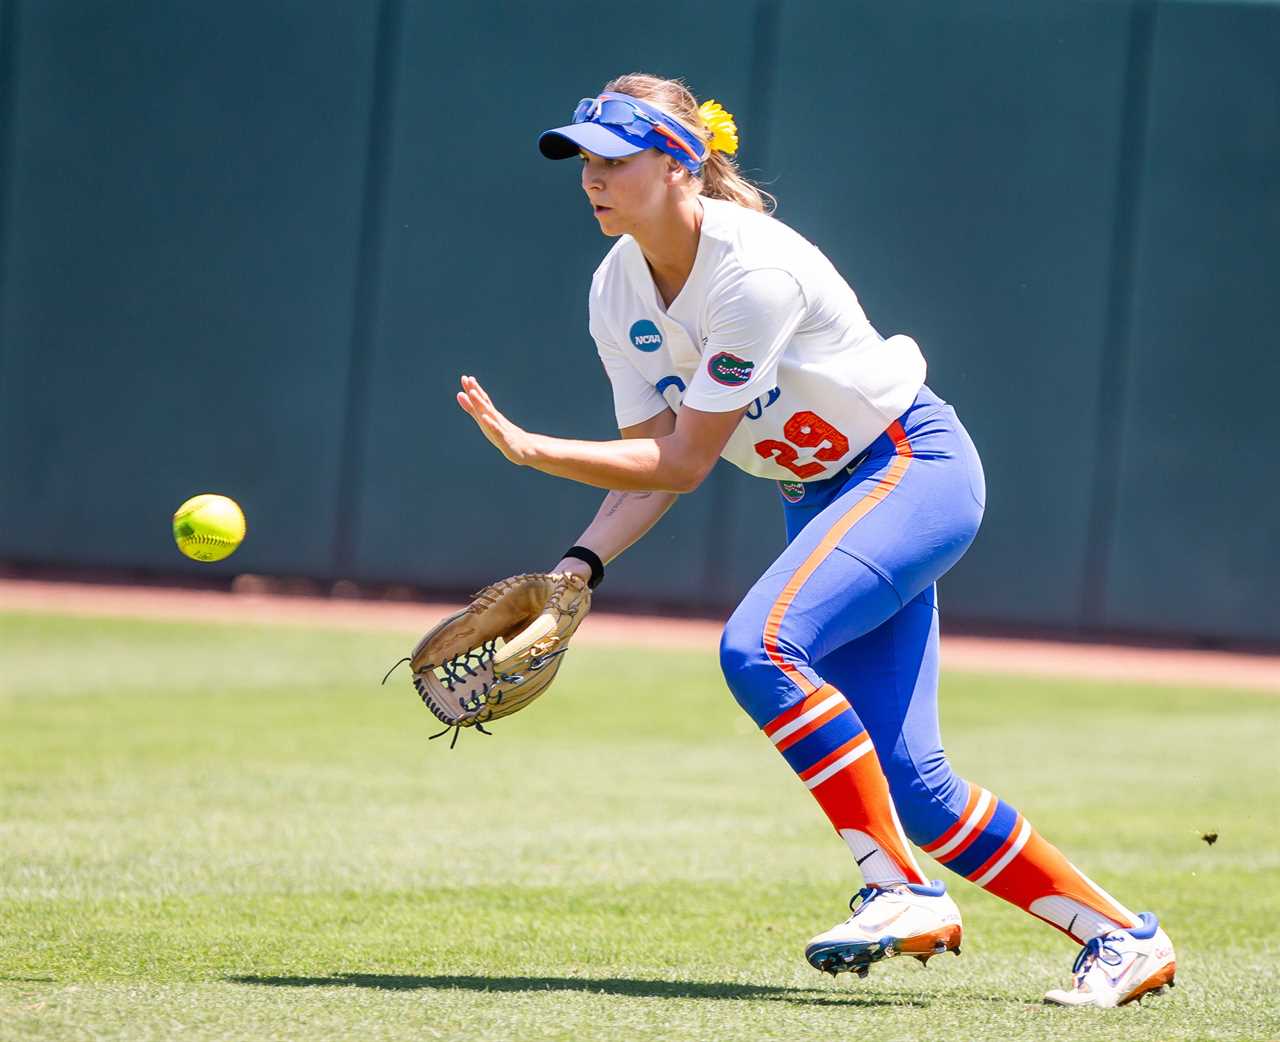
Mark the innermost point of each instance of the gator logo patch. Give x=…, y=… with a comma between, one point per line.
x=729, y=370
x=645, y=336
x=792, y=491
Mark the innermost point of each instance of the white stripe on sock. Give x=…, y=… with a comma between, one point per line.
x=1024, y=834
x=984, y=801
x=844, y=761
x=809, y=714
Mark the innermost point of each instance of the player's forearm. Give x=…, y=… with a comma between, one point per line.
x=627, y=465
x=622, y=519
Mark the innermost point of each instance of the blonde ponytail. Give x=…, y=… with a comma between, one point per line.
x=721, y=179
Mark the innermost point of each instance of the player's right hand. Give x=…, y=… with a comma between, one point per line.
x=512, y=441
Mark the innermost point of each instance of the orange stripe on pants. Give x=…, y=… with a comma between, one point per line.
x=857, y=796
x=857, y=512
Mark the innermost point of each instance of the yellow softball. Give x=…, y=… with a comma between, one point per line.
x=208, y=527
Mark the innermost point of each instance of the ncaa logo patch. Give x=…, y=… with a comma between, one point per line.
x=729, y=369
x=792, y=491
x=645, y=336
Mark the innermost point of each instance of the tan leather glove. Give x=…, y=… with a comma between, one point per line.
x=500, y=652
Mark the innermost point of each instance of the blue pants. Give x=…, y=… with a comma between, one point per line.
x=851, y=603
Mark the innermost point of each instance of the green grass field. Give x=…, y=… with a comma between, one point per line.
x=234, y=833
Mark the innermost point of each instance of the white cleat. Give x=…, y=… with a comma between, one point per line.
x=905, y=919
x=1119, y=967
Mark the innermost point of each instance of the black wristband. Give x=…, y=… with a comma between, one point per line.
x=581, y=553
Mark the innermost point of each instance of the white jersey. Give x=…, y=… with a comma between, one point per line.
x=764, y=320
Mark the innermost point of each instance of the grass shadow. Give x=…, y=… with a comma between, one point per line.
x=655, y=989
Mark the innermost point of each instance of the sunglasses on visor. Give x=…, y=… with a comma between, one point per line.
x=630, y=119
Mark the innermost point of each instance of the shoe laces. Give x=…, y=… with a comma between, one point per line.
x=1099, y=949
x=865, y=896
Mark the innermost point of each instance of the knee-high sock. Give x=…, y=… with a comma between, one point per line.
x=826, y=745
x=994, y=846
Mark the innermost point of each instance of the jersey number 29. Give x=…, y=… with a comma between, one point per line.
x=807, y=430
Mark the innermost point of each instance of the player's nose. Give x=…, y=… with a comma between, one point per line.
x=592, y=176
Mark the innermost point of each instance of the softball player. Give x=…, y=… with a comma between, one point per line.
x=726, y=334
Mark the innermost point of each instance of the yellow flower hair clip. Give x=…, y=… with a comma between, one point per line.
x=724, y=132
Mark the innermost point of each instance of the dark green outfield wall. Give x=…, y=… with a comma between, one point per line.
x=181, y=235
x=248, y=247
x=1193, y=542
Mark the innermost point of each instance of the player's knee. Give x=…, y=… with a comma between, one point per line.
x=746, y=666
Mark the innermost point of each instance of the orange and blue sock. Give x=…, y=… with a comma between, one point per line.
x=995, y=847
x=824, y=742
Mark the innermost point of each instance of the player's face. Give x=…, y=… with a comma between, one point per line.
x=625, y=194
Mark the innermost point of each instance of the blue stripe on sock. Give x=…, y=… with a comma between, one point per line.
x=997, y=831
x=824, y=741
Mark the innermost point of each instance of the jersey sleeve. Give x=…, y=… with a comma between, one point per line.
x=751, y=322
x=634, y=398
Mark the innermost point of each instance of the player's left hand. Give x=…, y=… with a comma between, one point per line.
x=512, y=441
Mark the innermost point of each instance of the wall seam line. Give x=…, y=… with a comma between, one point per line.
x=8, y=88
x=759, y=109
x=386, y=57
x=1118, y=333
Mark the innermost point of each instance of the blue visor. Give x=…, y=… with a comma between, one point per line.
x=617, y=125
